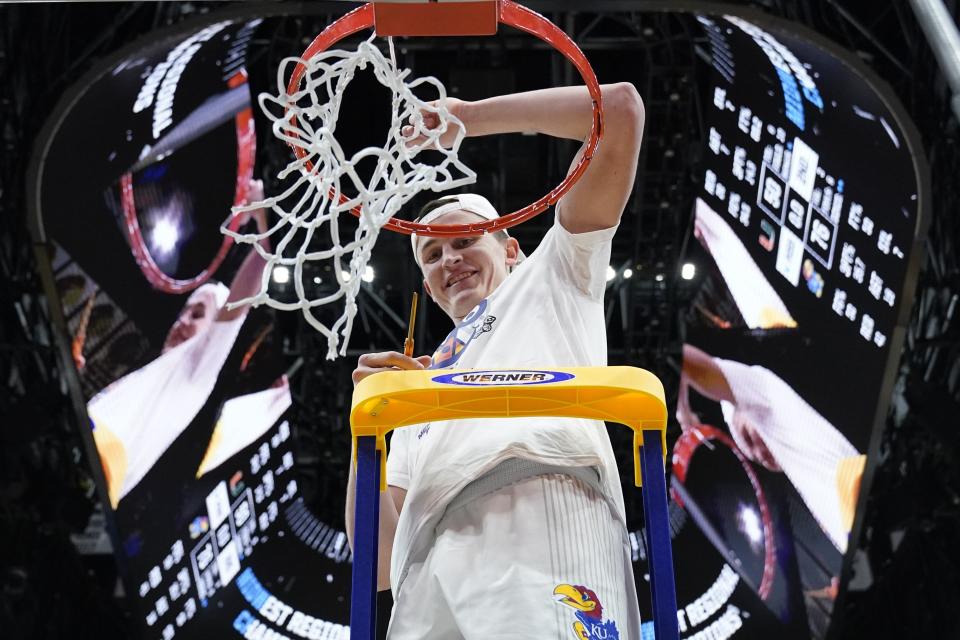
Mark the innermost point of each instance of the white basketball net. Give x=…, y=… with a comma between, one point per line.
x=312, y=198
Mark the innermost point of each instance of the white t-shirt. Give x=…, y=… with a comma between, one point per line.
x=136, y=418
x=548, y=312
x=807, y=447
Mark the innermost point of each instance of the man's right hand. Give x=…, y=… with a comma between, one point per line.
x=431, y=120
x=371, y=363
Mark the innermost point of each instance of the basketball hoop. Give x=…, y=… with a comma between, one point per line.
x=448, y=19
x=683, y=450
x=308, y=106
x=445, y=18
x=246, y=153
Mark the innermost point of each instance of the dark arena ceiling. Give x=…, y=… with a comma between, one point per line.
x=904, y=570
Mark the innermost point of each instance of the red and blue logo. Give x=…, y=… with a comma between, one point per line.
x=475, y=324
x=589, y=623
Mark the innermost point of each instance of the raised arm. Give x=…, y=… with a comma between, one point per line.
x=702, y=373
x=598, y=199
x=246, y=282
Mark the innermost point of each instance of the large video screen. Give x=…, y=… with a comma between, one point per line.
x=803, y=233
x=187, y=400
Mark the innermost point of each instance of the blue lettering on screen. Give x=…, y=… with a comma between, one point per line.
x=251, y=589
x=813, y=95
x=242, y=621
x=793, y=104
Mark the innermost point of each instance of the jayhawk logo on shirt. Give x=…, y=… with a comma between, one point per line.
x=589, y=623
x=474, y=324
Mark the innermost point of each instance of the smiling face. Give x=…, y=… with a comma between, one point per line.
x=460, y=272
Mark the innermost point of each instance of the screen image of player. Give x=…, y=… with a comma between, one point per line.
x=186, y=399
x=804, y=240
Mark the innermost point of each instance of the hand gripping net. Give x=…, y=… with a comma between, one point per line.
x=322, y=183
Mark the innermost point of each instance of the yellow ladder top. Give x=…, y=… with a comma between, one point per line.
x=625, y=395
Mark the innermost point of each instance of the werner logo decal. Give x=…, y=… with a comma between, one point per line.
x=494, y=378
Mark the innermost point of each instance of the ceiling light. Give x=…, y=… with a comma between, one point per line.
x=611, y=273
x=750, y=524
x=688, y=271
x=281, y=274
x=165, y=235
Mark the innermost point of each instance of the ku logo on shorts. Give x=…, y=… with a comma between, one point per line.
x=589, y=624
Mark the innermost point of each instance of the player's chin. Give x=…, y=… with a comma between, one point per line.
x=464, y=303
x=467, y=299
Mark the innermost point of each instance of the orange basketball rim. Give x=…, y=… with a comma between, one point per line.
x=464, y=18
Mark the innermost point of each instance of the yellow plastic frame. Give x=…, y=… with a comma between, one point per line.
x=626, y=395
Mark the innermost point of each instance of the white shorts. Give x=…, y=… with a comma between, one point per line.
x=542, y=558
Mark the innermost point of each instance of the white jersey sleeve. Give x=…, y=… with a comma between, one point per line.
x=582, y=258
x=138, y=417
x=808, y=448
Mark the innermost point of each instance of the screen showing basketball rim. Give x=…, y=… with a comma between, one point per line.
x=803, y=232
x=187, y=402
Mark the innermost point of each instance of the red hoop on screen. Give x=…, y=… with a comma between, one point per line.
x=514, y=15
x=246, y=153
x=683, y=451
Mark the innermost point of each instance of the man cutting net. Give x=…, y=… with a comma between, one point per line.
x=515, y=528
